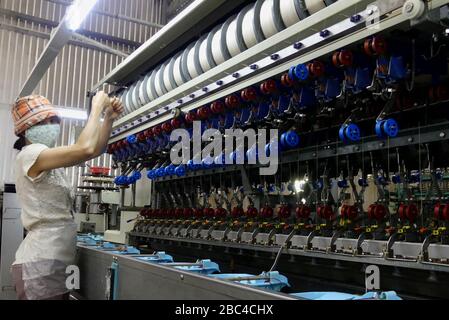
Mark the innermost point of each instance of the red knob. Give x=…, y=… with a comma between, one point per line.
x=203, y=113
x=141, y=137
x=237, y=212
x=188, y=213
x=286, y=81
x=221, y=213
x=284, y=212
x=380, y=212
x=179, y=213
x=351, y=212
x=163, y=213
x=446, y=212
x=438, y=211
x=402, y=212
x=157, y=130
x=166, y=127
x=325, y=212
x=176, y=123
x=249, y=94
x=190, y=117
x=251, y=212
x=217, y=107
x=149, y=133
x=268, y=87
x=266, y=212
x=316, y=69
x=198, y=213
x=171, y=213
x=232, y=101
x=209, y=212
x=412, y=212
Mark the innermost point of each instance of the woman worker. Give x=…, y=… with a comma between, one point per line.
x=45, y=194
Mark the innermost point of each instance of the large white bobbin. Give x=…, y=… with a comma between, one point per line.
x=177, y=73
x=143, y=95
x=151, y=89
x=290, y=12
x=270, y=18
x=204, y=58
x=217, y=52
x=313, y=6
x=160, y=88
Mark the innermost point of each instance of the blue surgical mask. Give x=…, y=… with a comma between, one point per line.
x=46, y=134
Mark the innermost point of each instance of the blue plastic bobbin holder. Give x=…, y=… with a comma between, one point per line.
x=387, y=128
x=349, y=132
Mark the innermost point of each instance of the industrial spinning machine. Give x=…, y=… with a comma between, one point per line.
x=358, y=91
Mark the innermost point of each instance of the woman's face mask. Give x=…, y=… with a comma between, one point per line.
x=46, y=134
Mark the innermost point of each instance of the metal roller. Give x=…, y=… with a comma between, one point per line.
x=270, y=18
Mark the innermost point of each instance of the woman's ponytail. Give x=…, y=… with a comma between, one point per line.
x=20, y=143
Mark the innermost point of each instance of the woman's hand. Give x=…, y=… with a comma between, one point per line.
x=100, y=102
x=115, y=110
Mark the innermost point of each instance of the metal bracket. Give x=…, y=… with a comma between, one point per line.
x=310, y=238
x=424, y=256
x=254, y=235
x=334, y=239
x=393, y=238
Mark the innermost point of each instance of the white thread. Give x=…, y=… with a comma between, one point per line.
x=266, y=19
x=134, y=100
x=232, y=40
x=166, y=77
x=191, y=63
x=157, y=83
x=288, y=12
x=313, y=6
x=249, y=34
x=216, y=48
x=150, y=92
x=203, y=56
x=177, y=71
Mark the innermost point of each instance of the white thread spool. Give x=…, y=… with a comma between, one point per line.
x=129, y=98
x=135, y=96
x=288, y=12
x=125, y=100
x=177, y=73
x=232, y=39
x=142, y=92
x=267, y=19
x=191, y=66
x=217, y=53
x=203, y=55
x=146, y=96
x=151, y=91
x=166, y=77
x=313, y=6
x=158, y=84
x=249, y=32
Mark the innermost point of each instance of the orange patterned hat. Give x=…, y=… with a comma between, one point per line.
x=31, y=110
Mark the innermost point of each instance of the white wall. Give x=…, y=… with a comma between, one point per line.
x=7, y=139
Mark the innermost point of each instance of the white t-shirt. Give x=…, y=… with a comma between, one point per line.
x=47, y=207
